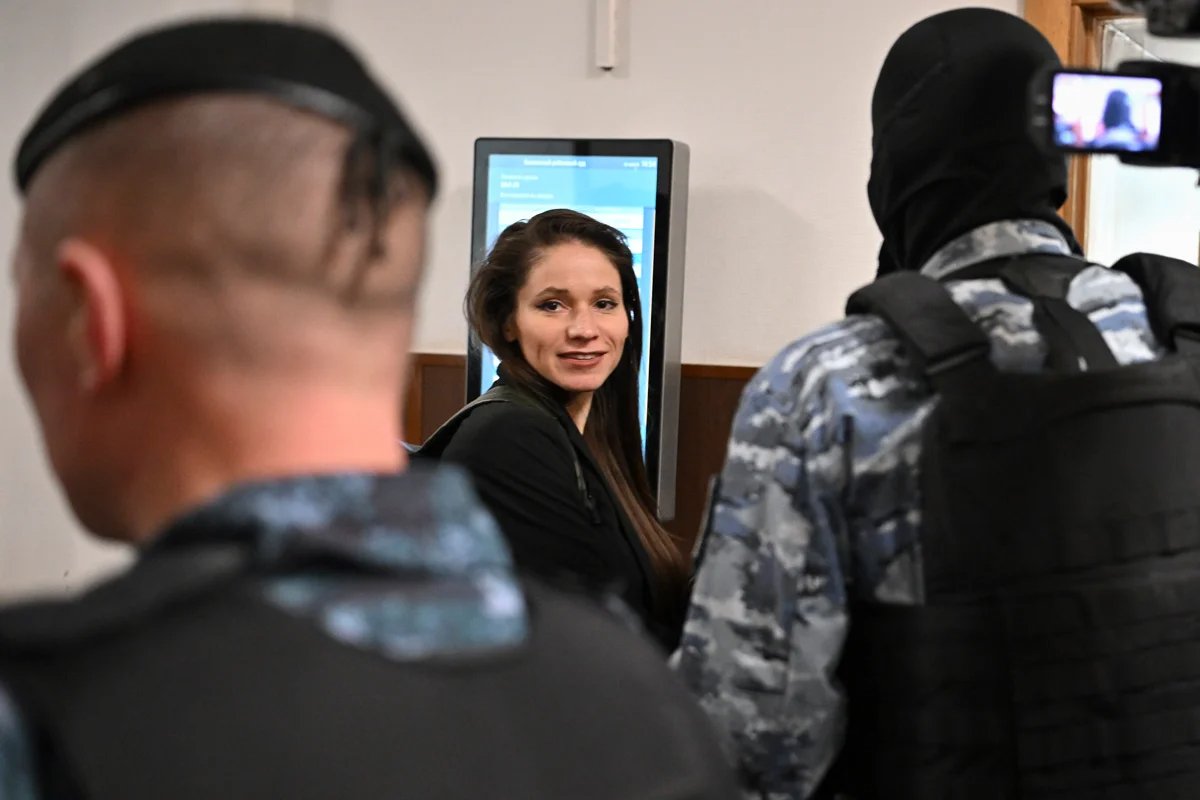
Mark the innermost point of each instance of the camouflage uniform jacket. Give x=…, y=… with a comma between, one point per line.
x=467, y=601
x=817, y=503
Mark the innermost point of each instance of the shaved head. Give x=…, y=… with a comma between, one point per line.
x=215, y=285
x=239, y=200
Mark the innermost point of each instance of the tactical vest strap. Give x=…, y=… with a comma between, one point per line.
x=1171, y=289
x=1073, y=343
x=947, y=346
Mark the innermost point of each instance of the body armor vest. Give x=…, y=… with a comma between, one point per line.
x=1057, y=653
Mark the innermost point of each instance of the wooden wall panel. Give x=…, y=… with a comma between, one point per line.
x=430, y=391
x=708, y=397
x=1073, y=28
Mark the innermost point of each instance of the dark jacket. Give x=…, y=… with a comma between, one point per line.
x=350, y=636
x=522, y=464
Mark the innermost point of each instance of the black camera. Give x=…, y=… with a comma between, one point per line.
x=1147, y=112
x=1166, y=17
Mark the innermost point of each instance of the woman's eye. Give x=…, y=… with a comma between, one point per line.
x=606, y=305
x=550, y=305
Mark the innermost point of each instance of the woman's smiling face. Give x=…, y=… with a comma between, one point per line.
x=570, y=321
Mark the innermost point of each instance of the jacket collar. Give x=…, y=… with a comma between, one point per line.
x=1010, y=237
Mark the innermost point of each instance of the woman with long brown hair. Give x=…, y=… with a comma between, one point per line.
x=555, y=448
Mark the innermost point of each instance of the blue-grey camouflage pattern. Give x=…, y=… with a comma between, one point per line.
x=441, y=579
x=817, y=503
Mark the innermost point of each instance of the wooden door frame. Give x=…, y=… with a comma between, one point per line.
x=1073, y=27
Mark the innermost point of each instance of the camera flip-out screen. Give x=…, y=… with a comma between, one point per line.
x=1104, y=112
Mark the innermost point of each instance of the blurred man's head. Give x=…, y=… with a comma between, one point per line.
x=951, y=141
x=215, y=279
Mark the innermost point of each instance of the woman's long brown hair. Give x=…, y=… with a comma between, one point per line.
x=613, y=428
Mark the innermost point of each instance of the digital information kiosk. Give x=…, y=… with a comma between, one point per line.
x=638, y=186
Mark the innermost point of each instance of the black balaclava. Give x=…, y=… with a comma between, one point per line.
x=951, y=143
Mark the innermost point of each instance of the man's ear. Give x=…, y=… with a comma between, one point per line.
x=98, y=333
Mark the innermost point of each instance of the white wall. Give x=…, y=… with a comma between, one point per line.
x=772, y=95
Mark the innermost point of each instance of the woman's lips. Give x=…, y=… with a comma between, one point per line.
x=581, y=359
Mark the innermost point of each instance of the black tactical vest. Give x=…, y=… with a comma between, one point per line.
x=179, y=681
x=1057, y=654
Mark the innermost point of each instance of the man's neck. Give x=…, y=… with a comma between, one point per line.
x=308, y=432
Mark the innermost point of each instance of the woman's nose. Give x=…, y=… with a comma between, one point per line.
x=582, y=326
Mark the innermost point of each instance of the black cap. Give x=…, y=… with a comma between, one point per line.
x=302, y=66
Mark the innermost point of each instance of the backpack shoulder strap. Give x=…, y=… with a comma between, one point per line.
x=945, y=343
x=1171, y=290
x=437, y=443
x=1073, y=342
x=440, y=439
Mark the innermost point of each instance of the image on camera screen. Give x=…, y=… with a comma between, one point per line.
x=1115, y=113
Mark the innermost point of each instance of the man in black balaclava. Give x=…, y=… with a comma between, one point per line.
x=951, y=149
x=818, y=511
